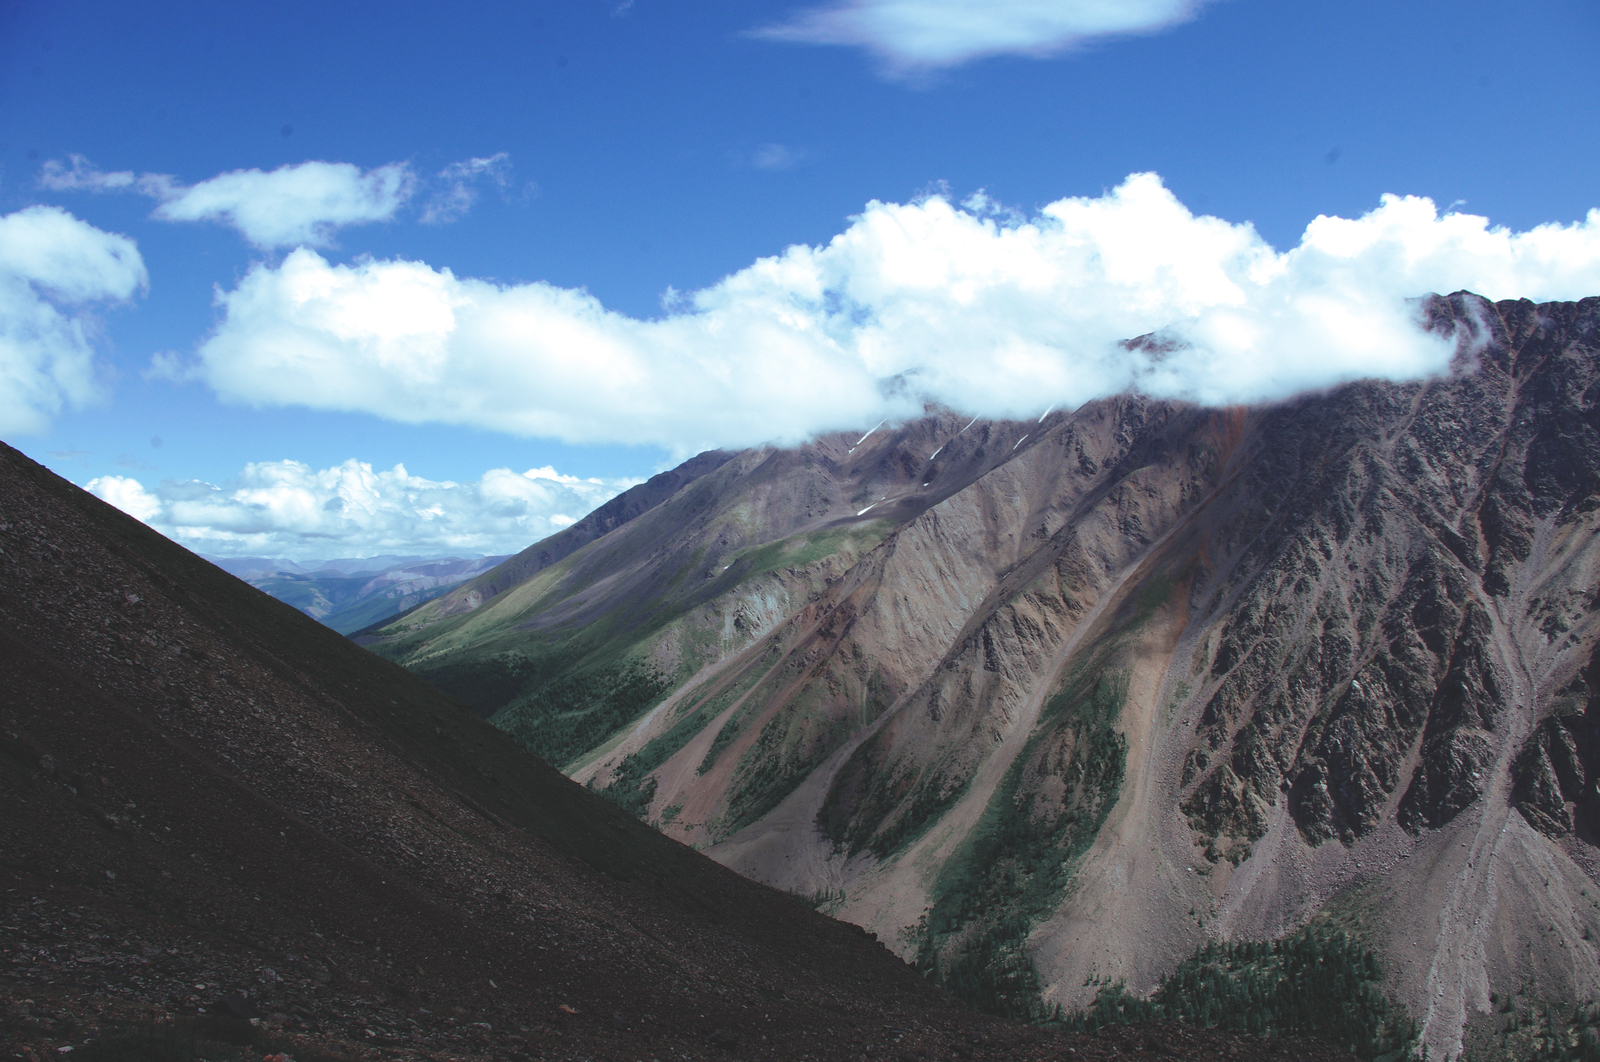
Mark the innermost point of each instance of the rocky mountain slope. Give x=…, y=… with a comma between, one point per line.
x=1049, y=704
x=224, y=827
x=350, y=594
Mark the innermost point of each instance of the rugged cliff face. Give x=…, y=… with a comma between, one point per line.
x=1051, y=703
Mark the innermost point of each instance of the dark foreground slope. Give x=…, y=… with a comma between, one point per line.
x=210, y=803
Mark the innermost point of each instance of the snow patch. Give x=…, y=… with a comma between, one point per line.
x=863, y=439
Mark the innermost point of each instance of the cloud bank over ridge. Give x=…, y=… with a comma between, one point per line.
x=962, y=304
x=288, y=509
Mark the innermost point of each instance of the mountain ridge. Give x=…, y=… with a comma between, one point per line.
x=1094, y=689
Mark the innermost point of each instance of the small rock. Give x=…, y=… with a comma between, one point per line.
x=723, y=1038
x=619, y=1020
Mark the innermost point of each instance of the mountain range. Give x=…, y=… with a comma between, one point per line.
x=351, y=593
x=228, y=833
x=1048, y=705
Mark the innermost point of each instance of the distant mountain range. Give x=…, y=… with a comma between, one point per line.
x=355, y=592
x=1049, y=704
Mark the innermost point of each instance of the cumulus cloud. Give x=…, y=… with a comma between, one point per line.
x=965, y=305
x=288, y=509
x=456, y=187
x=53, y=268
x=912, y=34
x=301, y=204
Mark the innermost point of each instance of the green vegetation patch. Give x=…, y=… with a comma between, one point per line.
x=720, y=702
x=1317, y=984
x=789, y=747
x=729, y=731
x=562, y=719
x=1018, y=861
x=1530, y=1029
x=563, y=691
x=489, y=683
x=801, y=550
x=631, y=787
x=882, y=807
x=858, y=813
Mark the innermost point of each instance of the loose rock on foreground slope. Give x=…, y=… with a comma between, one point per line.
x=210, y=805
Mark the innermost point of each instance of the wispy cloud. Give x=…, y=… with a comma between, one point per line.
x=456, y=187
x=53, y=269
x=83, y=176
x=296, y=205
x=300, y=205
x=288, y=509
x=920, y=34
x=776, y=157
x=969, y=305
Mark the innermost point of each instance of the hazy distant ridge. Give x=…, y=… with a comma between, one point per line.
x=350, y=593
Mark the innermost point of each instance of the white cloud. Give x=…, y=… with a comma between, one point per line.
x=293, y=205
x=288, y=509
x=966, y=306
x=51, y=266
x=911, y=34
x=459, y=186
x=82, y=176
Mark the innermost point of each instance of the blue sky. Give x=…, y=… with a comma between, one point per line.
x=539, y=151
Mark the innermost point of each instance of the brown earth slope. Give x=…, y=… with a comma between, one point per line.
x=210, y=805
x=1047, y=704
